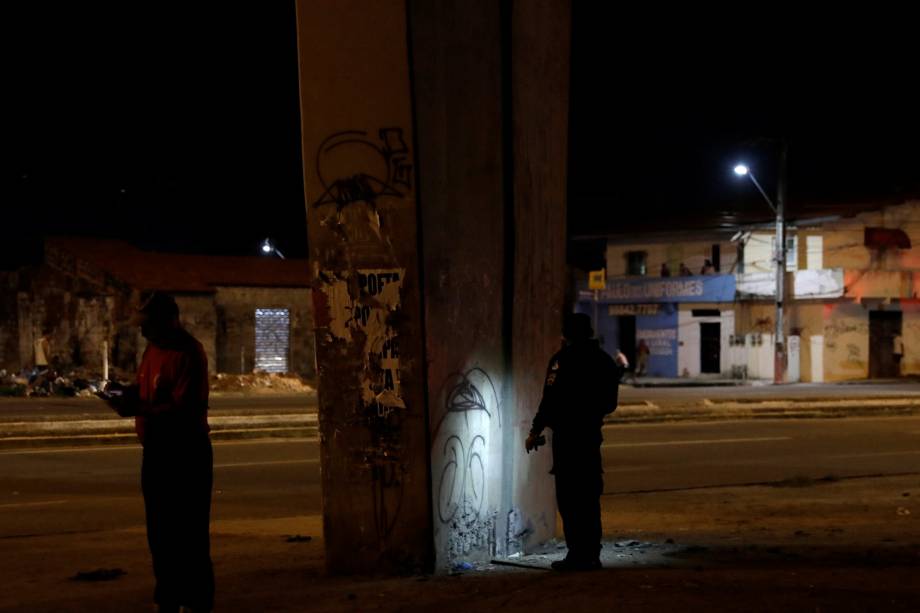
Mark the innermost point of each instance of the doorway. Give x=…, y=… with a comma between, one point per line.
x=627, y=338
x=710, y=347
x=883, y=327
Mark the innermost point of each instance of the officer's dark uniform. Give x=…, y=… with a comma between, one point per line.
x=581, y=387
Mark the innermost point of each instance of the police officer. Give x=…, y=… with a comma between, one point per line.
x=580, y=389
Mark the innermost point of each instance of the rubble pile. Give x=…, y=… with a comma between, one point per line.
x=84, y=383
x=260, y=382
x=81, y=383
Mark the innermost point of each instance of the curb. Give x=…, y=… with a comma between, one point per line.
x=79, y=431
x=117, y=431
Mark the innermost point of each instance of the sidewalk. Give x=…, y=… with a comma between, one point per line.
x=30, y=422
x=719, y=381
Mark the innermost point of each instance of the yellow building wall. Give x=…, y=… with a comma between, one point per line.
x=692, y=253
x=846, y=341
x=844, y=240
x=910, y=334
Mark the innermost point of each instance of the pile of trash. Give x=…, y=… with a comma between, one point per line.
x=260, y=382
x=84, y=383
x=42, y=383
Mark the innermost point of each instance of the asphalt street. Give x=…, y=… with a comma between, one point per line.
x=93, y=488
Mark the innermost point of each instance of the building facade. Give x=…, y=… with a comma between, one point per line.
x=249, y=313
x=704, y=302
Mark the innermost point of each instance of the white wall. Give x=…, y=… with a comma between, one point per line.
x=817, y=358
x=688, y=339
x=688, y=345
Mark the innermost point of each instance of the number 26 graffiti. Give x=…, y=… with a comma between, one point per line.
x=462, y=479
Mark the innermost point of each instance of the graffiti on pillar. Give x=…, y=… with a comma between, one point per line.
x=354, y=167
x=361, y=310
x=471, y=403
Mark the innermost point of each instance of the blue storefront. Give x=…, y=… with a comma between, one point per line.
x=630, y=310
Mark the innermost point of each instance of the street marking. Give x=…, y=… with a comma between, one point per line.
x=874, y=454
x=271, y=462
x=97, y=449
x=137, y=446
x=711, y=441
x=31, y=504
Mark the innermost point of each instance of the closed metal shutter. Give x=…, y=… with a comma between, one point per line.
x=273, y=333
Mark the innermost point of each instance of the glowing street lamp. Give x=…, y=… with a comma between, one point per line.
x=268, y=248
x=779, y=354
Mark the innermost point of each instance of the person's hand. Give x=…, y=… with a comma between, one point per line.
x=533, y=442
x=620, y=359
x=119, y=399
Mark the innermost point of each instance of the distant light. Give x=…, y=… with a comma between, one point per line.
x=741, y=170
x=268, y=248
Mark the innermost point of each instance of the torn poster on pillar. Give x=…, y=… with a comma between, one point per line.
x=379, y=297
x=363, y=305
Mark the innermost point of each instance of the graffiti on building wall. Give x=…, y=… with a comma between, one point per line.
x=471, y=404
x=354, y=167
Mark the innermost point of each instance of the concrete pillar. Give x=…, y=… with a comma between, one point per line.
x=540, y=48
x=458, y=63
x=361, y=219
x=447, y=244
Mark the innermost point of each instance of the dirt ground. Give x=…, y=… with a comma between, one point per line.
x=828, y=545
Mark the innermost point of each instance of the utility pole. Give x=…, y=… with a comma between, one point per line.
x=779, y=355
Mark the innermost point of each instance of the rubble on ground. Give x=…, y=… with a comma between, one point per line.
x=260, y=382
x=84, y=383
x=79, y=382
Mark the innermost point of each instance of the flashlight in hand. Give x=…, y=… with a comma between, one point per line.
x=534, y=442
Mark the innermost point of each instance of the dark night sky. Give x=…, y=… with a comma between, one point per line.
x=178, y=128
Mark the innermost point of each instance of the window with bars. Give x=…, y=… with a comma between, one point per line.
x=273, y=334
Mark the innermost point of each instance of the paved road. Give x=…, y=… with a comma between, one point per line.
x=30, y=408
x=40, y=408
x=799, y=391
x=94, y=488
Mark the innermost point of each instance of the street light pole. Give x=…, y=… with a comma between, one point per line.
x=779, y=354
x=779, y=347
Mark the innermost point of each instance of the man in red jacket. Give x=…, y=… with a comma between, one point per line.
x=170, y=405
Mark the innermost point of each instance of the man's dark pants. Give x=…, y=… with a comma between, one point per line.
x=176, y=478
x=579, y=485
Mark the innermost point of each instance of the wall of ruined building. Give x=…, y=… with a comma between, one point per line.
x=9, y=322
x=235, y=344
x=198, y=315
x=78, y=315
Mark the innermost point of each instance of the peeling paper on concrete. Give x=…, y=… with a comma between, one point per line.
x=361, y=305
x=340, y=305
x=379, y=298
